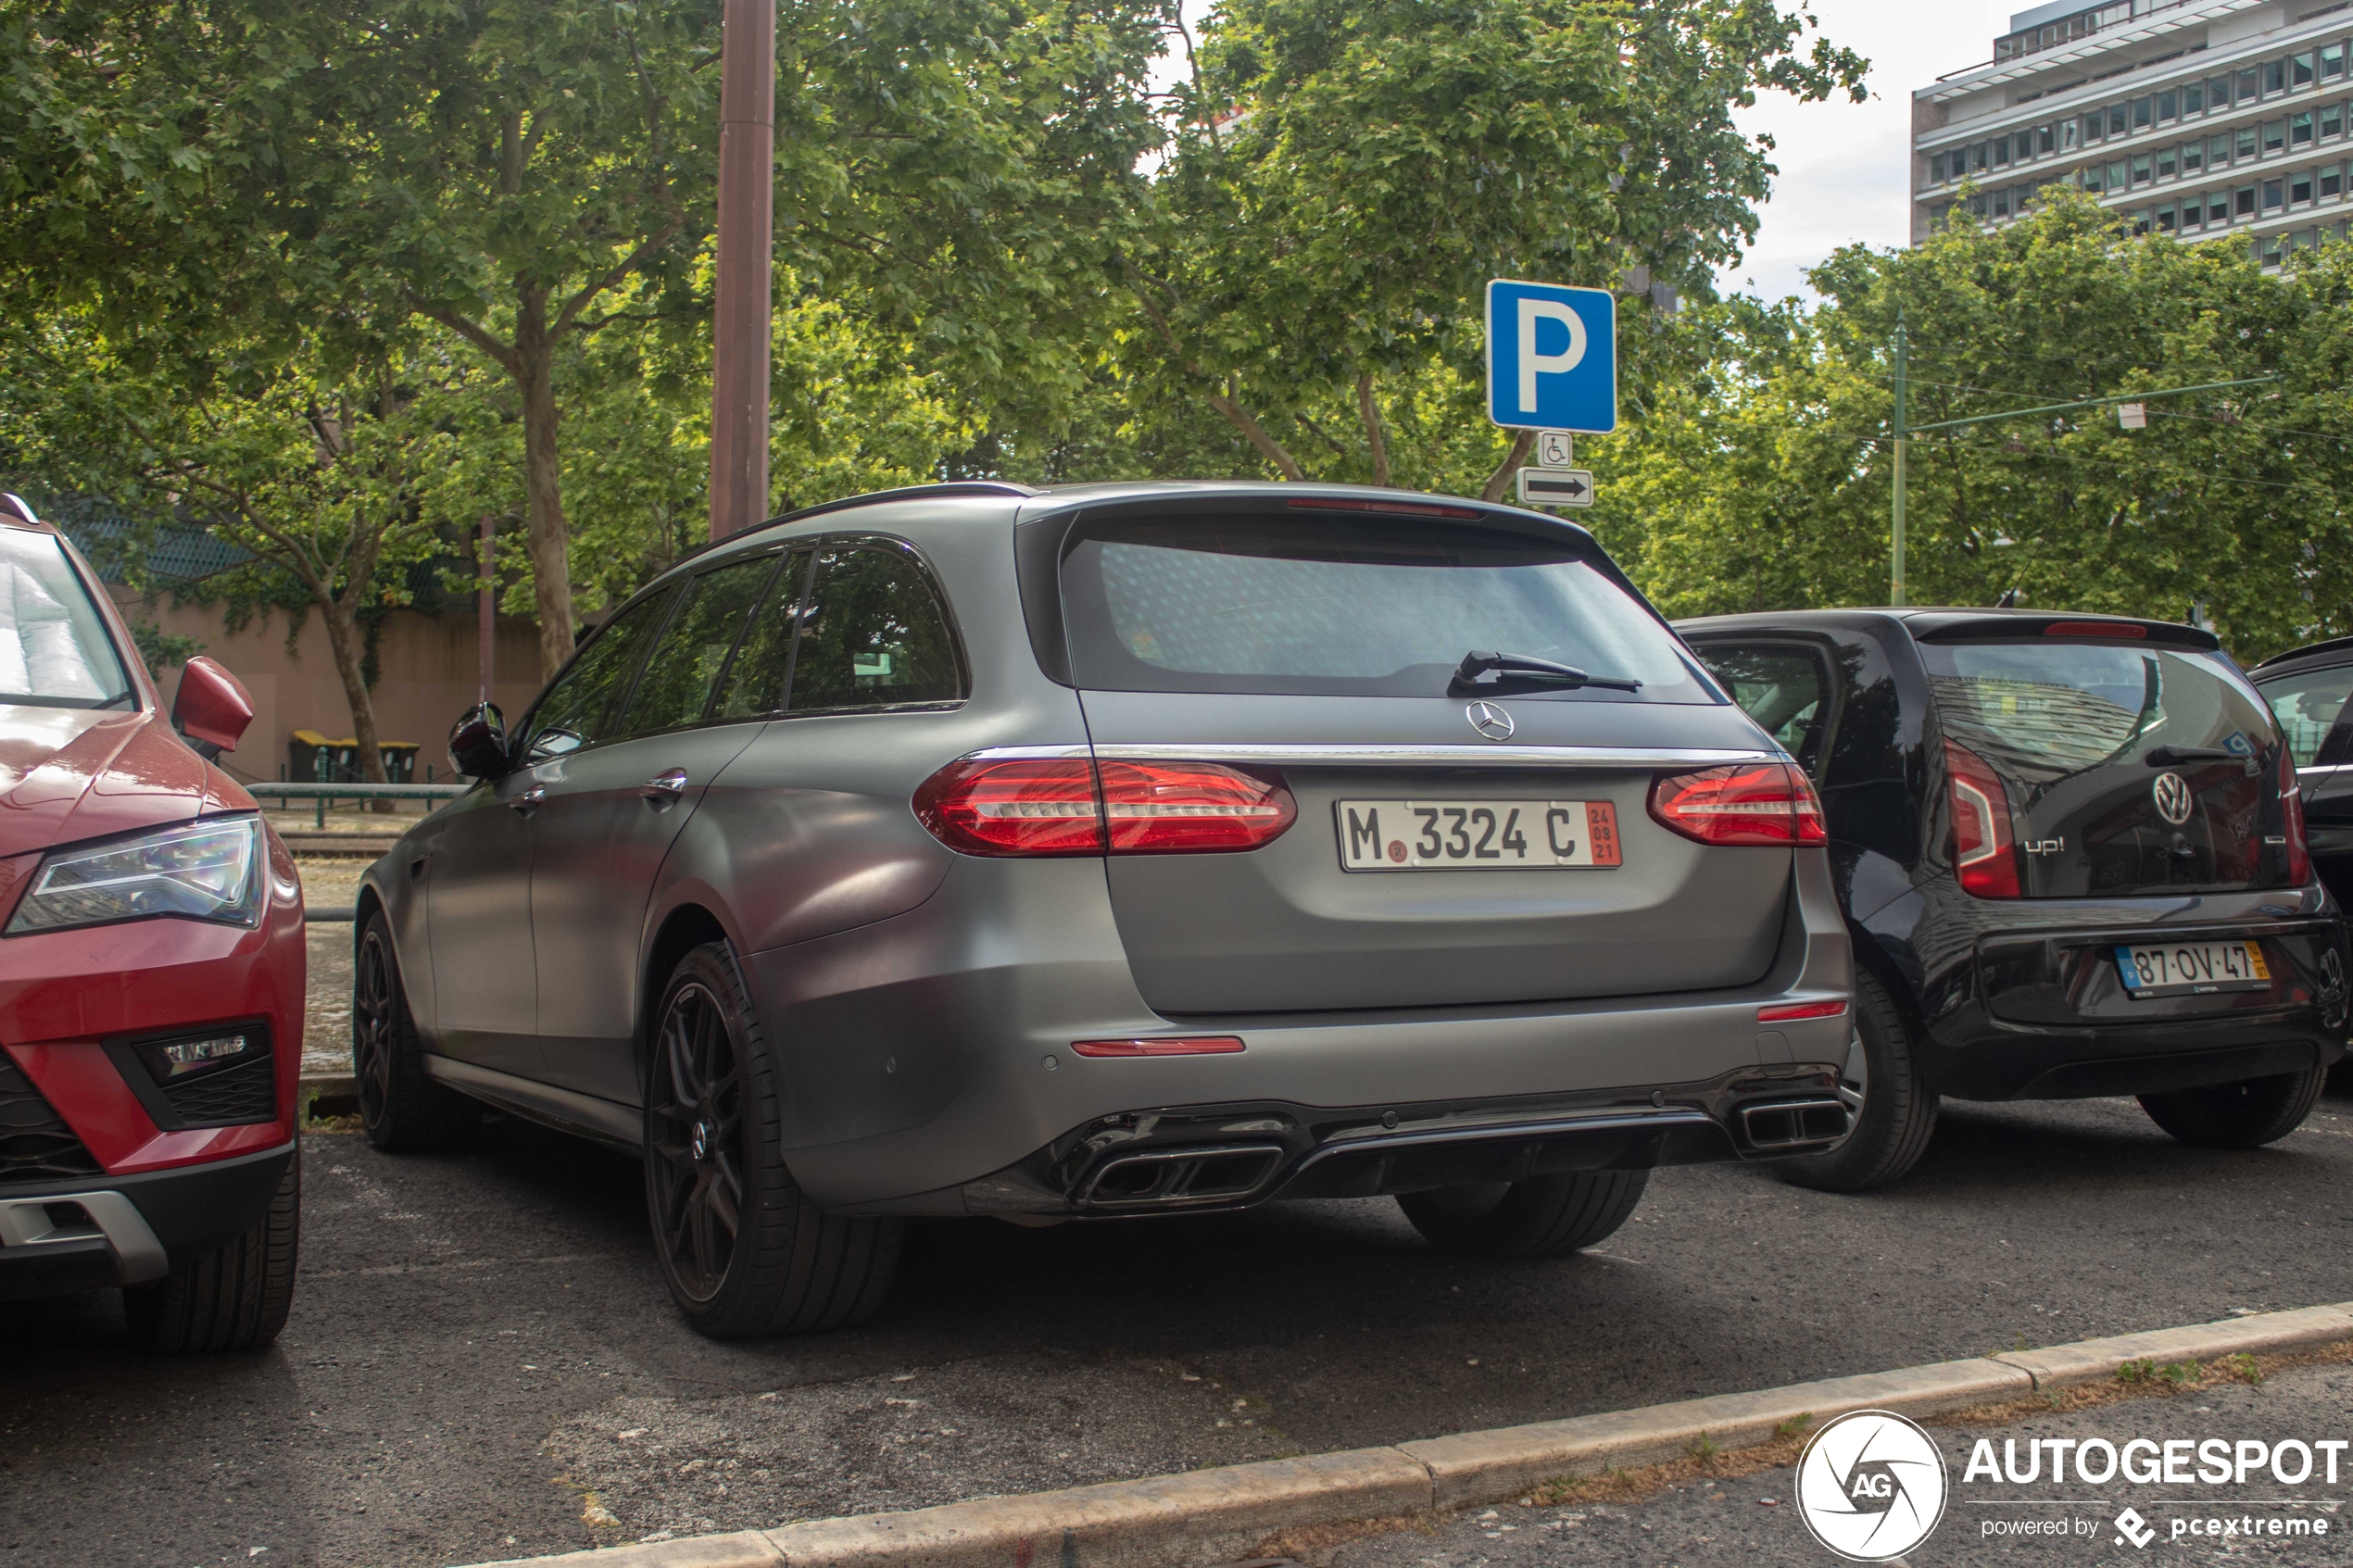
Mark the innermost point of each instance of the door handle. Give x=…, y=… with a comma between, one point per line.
x=664, y=787
x=524, y=805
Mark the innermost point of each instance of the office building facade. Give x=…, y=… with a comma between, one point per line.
x=2200, y=118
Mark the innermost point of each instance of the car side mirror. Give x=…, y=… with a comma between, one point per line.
x=478, y=741
x=211, y=708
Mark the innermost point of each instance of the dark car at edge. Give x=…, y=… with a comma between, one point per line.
x=2072, y=852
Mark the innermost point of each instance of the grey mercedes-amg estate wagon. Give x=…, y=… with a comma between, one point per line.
x=1116, y=851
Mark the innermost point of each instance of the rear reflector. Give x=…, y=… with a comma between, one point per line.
x=1183, y=1045
x=2094, y=628
x=2299, y=851
x=1789, y=1013
x=1985, y=857
x=1068, y=806
x=1748, y=803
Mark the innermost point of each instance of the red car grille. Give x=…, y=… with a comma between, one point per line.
x=35, y=1143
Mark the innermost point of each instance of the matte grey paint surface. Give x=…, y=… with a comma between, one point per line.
x=912, y=994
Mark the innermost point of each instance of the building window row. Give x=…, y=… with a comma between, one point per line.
x=2193, y=213
x=2316, y=66
x=2067, y=30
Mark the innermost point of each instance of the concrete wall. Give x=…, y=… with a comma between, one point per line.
x=426, y=677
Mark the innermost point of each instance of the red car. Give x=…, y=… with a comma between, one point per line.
x=151, y=976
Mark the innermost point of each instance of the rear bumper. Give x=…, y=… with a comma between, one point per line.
x=85, y=1233
x=2045, y=1016
x=927, y=1067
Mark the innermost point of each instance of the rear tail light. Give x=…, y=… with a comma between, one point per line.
x=1076, y=808
x=1985, y=857
x=2299, y=853
x=1749, y=803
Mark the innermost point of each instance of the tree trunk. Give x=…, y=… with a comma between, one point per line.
x=1501, y=480
x=342, y=641
x=547, y=538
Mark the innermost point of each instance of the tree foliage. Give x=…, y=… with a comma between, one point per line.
x=1762, y=480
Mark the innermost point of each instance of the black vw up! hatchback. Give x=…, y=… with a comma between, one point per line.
x=2072, y=852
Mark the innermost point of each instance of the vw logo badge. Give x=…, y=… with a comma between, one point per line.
x=1488, y=720
x=2173, y=802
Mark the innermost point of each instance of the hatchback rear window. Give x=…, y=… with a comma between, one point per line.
x=2039, y=711
x=1348, y=606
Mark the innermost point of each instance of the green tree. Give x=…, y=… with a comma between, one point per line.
x=1762, y=480
x=527, y=172
x=334, y=484
x=1346, y=178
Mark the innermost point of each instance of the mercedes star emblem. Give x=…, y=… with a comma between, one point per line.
x=2174, y=800
x=1488, y=720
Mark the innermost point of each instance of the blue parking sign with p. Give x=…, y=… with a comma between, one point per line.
x=1552, y=358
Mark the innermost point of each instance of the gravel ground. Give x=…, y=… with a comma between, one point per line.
x=326, y=1026
x=1748, y=1522
x=482, y=1362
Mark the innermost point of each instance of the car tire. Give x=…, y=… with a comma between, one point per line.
x=233, y=1298
x=403, y=1110
x=1543, y=1217
x=743, y=1250
x=2246, y=1114
x=1892, y=1107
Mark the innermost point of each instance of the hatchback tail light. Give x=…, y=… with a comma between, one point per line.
x=2299, y=852
x=1985, y=857
x=1748, y=803
x=1071, y=807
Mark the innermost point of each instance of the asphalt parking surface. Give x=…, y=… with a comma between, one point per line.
x=482, y=1361
x=1749, y=1520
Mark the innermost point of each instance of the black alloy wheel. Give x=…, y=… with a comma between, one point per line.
x=402, y=1107
x=694, y=1153
x=743, y=1250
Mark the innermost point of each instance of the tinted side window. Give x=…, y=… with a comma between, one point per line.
x=874, y=633
x=694, y=647
x=579, y=707
x=756, y=680
x=2309, y=705
x=1785, y=689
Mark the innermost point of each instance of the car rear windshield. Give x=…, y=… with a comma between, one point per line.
x=53, y=648
x=2040, y=711
x=1361, y=606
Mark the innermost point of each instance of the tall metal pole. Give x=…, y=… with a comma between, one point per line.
x=1896, y=554
x=487, y=606
x=747, y=216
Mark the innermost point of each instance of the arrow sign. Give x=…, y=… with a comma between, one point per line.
x=1556, y=487
x=1552, y=357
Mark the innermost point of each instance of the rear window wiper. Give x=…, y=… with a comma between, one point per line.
x=1520, y=672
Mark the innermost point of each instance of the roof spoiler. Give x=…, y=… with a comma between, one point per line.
x=1963, y=627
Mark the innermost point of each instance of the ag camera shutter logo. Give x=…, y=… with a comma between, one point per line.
x=1871, y=1486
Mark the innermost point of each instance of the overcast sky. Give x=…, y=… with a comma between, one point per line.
x=1842, y=165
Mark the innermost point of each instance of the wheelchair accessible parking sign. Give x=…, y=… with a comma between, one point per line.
x=1552, y=358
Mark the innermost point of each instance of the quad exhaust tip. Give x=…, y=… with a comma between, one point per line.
x=1792, y=1123
x=1176, y=1177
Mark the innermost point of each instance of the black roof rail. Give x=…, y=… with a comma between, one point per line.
x=905, y=493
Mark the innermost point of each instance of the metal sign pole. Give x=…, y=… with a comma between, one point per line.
x=1895, y=553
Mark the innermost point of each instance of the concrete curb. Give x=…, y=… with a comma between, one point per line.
x=1207, y=1517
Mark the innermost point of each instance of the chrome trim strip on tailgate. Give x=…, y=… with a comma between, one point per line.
x=1339, y=756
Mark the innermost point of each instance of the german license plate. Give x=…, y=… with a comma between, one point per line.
x=2192, y=968
x=1467, y=835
